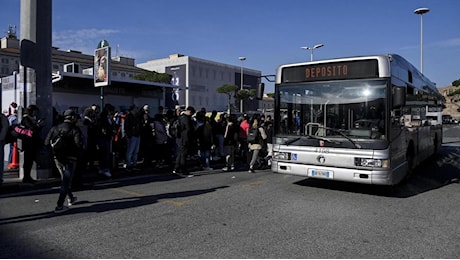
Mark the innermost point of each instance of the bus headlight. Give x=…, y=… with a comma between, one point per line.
x=368, y=162
x=281, y=156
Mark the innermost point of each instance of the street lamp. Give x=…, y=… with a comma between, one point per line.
x=311, y=49
x=241, y=87
x=421, y=11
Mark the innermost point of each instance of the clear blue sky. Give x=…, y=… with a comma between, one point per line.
x=267, y=32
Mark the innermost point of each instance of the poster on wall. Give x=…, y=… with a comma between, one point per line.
x=175, y=96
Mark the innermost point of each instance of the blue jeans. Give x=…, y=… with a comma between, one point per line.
x=66, y=168
x=205, y=157
x=132, y=150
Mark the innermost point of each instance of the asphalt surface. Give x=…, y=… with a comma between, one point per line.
x=213, y=214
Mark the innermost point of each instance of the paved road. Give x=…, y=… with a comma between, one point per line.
x=242, y=215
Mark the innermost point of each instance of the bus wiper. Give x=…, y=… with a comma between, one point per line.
x=291, y=141
x=323, y=139
x=340, y=132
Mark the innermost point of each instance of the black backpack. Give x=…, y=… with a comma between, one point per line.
x=175, y=128
x=253, y=135
x=62, y=142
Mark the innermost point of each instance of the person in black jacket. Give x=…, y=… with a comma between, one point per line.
x=31, y=146
x=132, y=127
x=66, y=158
x=230, y=142
x=205, y=140
x=107, y=129
x=185, y=139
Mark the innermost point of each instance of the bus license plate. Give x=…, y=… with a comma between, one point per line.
x=321, y=173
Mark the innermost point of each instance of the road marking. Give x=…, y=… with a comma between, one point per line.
x=137, y=194
x=255, y=183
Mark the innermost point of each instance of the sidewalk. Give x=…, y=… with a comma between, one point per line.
x=13, y=184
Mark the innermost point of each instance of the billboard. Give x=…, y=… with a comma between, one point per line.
x=101, y=71
x=173, y=96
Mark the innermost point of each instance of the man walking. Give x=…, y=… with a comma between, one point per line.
x=66, y=143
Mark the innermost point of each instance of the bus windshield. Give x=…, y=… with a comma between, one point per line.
x=352, y=109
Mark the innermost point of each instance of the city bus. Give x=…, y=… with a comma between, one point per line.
x=363, y=119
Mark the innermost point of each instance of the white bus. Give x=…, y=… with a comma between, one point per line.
x=364, y=119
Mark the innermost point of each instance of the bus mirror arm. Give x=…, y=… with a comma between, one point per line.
x=399, y=97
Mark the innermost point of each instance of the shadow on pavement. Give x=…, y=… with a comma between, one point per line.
x=99, y=206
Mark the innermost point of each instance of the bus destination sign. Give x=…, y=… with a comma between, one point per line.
x=356, y=69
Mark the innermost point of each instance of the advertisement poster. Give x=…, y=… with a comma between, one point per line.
x=102, y=67
x=176, y=95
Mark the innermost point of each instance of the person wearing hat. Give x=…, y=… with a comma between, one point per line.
x=66, y=157
x=185, y=140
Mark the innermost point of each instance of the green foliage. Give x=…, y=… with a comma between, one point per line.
x=456, y=83
x=227, y=89
x=154, y=76
x=271, y=95
x=456, y=92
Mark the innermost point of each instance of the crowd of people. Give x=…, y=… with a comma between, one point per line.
x=169, y=140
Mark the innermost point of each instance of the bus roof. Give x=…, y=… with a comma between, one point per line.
x=383, y=70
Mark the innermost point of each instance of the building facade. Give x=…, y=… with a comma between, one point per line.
x=452, y=102
x=197, y=80
x=73, y=84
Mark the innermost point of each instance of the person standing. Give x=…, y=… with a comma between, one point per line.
x=243, y=135
x=230, y=143
x=66, y=151
x=4, y=126
x=13, y=120
x=205, y=141
x=162, y=151
x=255, y=144
x=147, y=145
x=132, y=126
x=185, y=140
x=92, y=133
x=31, y=146
x=107, y=129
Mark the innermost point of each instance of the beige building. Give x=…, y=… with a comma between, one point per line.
x=452, y=102
x=198, y=80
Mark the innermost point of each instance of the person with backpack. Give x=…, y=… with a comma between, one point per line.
x=186, y=131
x=66, y=144
x=255, y=137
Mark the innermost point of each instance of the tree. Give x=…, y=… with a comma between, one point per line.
x=154, y=76
x=456, y=83
x=271, y=95
x=228, y=89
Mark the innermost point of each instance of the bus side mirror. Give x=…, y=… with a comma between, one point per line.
x=260, y=91
x=399, y=97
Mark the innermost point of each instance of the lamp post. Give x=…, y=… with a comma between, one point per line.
x=241, y=86
x=421, y=11
x=311, y=49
